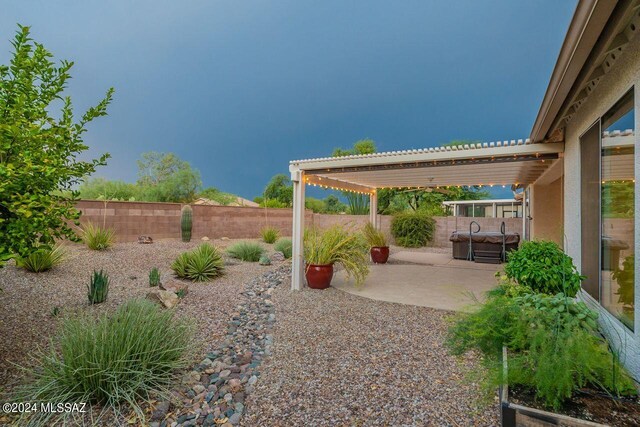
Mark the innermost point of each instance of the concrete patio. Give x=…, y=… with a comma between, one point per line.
x=424, y=279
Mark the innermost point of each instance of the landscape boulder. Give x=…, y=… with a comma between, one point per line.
x=167, y=299
x=145, y=240
x=176, y=287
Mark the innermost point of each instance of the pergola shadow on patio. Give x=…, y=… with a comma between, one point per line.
x=424, y=279
x=519, y=163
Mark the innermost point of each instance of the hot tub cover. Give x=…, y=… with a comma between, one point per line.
x=485, y=237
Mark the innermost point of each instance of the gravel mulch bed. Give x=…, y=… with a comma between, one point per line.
x=343, y=360
x=28, y=300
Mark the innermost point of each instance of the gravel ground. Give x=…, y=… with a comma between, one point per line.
x=343, y=360
x=28, y=299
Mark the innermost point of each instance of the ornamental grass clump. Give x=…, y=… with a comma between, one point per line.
x=374, y=237
x=337, y=245
x=43, y=259
x=201, y=264
x=269, y=234
x=284, y=245
x=115, y=360
x=98, y=288
x=544, y=267
x=96, y=237
x=154, y=277
x=246, y=251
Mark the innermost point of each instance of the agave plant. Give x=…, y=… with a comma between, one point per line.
x=200, y=264
x=42, y=259
x=98, y=289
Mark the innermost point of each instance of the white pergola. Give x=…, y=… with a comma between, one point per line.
x=518, y=162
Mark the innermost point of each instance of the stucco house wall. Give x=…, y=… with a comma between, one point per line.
x=624, y=74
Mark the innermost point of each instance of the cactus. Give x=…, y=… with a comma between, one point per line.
x=99, y=287
x=185, y=223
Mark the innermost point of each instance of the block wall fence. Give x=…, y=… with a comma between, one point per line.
x=162, y=221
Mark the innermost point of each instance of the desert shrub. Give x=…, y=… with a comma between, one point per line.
x=284, y=245
x=43, y=259
x=246, y=251
x=154, y=277
x=337, y=245
x=269, y=234
x=200, y=264
x=543, y=267
x=412, y=229
x=96, y=237
x=113, y=360
x=375, y=238
x=553, y=341
x=98, y=288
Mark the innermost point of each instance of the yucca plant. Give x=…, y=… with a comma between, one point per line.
x=96, y=237
x=284, y=245
x=337, y=245
x=115, y=360
x=374, y=237
x=98, y=289
x=43, y=259
x=246, y=251
x=154, y=277
x=200, y=264
x=270, y=234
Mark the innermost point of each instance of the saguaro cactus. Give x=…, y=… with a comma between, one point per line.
x=186, y=222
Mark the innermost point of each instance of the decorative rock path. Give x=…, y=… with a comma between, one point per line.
x=218, y=385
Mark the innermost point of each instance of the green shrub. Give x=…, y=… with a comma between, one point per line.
x=154, y=277
x=284, y=245
x=43, y=259
x=269, y=234
x=96, y=237
x=113, y=360
x=412, y=229
x=544, y=268
x=554, y=346
x=246, y=251
x=200, y=264
x=98, y=289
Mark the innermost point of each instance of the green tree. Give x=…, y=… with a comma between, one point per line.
x=333, y=205
x=101, y=188
x=358, y=204
x=39, y=150
x=279, y=188
x=216, y=195
x=164, y=177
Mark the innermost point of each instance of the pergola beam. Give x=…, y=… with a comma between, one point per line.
x=336, y=184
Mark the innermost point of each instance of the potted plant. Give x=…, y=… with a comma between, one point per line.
x=336, y=245
x=379, y=249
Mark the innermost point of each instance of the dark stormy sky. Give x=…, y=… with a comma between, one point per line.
x=238, y=88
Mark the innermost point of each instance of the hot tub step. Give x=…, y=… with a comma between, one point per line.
x=487, y=257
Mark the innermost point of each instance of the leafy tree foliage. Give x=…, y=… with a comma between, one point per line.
x=358, y=204
x=39, y=150
x=164, y=177
x=216, y=195
x=280, y=188
x=101, y=188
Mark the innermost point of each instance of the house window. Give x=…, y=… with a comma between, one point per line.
x=607, y=210
x=617, y=211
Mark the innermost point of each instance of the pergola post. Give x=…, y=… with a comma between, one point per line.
x=373, y=208
x=297, y=235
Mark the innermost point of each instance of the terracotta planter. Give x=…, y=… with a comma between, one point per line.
x=380, y=254
x=319, y=276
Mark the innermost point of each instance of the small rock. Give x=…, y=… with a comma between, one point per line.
x=225, y=373
x=165, y=298
x=176, y=287
x=235, y=385
x=145, y=240
x=160, y=411
x=228, y=397
x=198, y=388
x=253, y=380
x=205, y=239
x=235, y=419
x=277, y=257
x=226, y=239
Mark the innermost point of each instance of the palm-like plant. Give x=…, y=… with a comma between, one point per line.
x=374, y=237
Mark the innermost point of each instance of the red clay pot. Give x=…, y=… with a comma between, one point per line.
x=380, y=254
x=319, y=276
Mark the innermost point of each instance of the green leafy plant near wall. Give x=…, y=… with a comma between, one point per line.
x=98, y=288
x=269, y=234
x=544, y=267
x=96, y=237
x=412, y=229
x=284, y=245
x=43, y=259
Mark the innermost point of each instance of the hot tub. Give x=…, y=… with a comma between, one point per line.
x=489, y=241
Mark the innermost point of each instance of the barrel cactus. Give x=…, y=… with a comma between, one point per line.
x=186, y=222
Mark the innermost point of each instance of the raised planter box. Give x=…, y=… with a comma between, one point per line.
x=515, y=415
